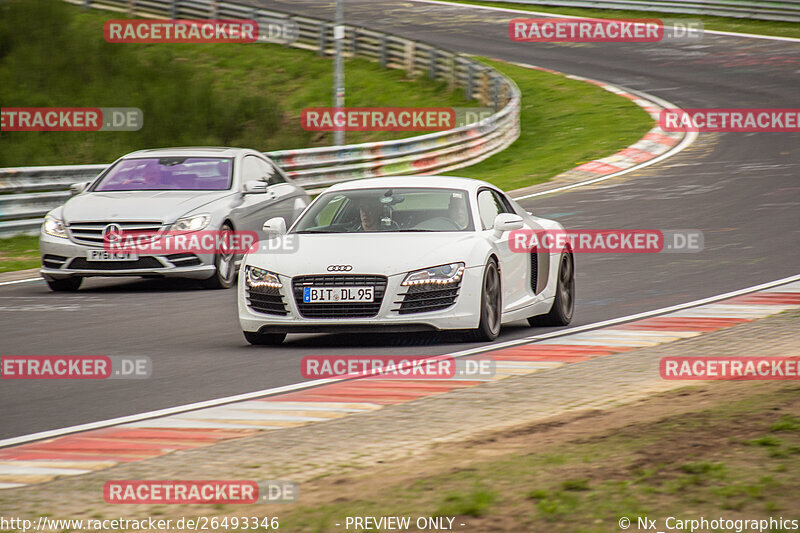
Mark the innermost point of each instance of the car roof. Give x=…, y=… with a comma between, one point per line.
x=436, y=182
x=192, y=151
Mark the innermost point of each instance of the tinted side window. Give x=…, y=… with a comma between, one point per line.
x=255, y=168
x=276, y=177
x=488, y=208
x=503, y=203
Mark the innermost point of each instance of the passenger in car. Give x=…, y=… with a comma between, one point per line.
x=457, y=210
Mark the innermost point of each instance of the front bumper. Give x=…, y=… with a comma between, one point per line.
x=463, y=314
x=63, y=258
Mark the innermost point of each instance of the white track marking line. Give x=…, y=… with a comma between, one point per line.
x=624, y=319
x=14, y=470
x=730, y=313
x=557, y=15
x=600, y=343
x=654, y=333
x=144, y=419
x=20, y=281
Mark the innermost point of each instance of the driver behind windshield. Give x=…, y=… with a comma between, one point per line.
x=370, y=210
x=149, y=177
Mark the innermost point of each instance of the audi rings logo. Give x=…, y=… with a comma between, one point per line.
x=340, y=268
x=112, y=233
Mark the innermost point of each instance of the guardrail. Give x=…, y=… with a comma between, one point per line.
x=27, y=193
x=784, y=11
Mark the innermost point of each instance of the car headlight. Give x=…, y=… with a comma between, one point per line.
x=191, y=223
x=55, y=227
x=258, y=277
x=438, y=275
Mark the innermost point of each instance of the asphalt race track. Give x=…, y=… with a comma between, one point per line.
x=742, y=190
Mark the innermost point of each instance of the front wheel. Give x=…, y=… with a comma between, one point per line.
x=264, y=339
x=564, y=302
x=65, y=284
x=491, y=305
x=224, y=262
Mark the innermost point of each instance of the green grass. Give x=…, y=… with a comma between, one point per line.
x=474, y=502
x=19, y=252
x=248, y=95
x=761, y=27
x=564, y=123
x=702, y=460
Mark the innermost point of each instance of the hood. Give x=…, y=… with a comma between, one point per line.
x=372, y=253
x=164, y=206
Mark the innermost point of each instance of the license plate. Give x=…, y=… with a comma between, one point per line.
x=313, y=295
x=104, y=255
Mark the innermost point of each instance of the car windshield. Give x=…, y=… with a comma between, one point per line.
x=388, y=210
x=168, y=173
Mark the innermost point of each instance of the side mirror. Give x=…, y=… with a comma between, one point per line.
x=507, y=222
x=275, y=225
x=255, y=187
x=77, y=188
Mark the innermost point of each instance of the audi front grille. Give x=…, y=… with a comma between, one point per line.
x=339, y=310
x=266, y=300
x=428, y=297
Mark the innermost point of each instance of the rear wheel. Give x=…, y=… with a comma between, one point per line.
x=64, y=285
x=564, y=302
x=491, y=305
x=224, y=263
x=264, y=339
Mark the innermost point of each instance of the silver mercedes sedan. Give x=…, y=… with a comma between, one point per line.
x=174, y=194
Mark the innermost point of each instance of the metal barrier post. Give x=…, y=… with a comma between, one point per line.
x=323, y=38
x=383, y=59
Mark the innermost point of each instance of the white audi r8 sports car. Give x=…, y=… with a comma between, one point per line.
x=405, y=254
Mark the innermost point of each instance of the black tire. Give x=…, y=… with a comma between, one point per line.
x=64, y=285
x=264, y=339
x=491, y=305
x=224, y=267
x=564, y=302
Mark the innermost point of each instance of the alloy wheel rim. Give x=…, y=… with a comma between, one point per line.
x=492, y=300
x=566, y=283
